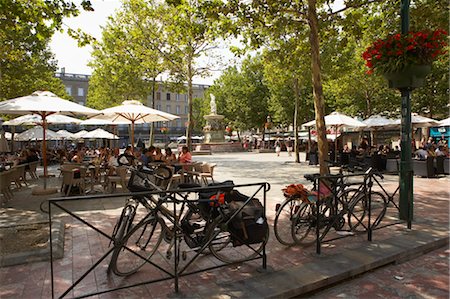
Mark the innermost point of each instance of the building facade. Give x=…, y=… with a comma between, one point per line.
x=77, y=86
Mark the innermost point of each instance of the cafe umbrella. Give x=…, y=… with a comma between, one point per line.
x=44, y=104
x=133, y=112
x=337, y=120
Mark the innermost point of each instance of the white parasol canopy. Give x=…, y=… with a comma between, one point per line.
x=420, y=121
x=377, y=121
x=37, y=133
x=99, y=134
x=65, y=135
x=33, y=119
x=133, y=112
x=444, y=122
x=44, y=103
x=338, y=119
x=80, y=134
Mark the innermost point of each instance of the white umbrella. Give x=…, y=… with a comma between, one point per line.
x=80, y=134
x=4, y=148
x=44, y=103
x=65, y=135
x=420, y=121
x=336, y=120
x=377, y=121
x=33, y=119
x=134, y=112
x=37, y=133
x=444, y=122
x=99, y=134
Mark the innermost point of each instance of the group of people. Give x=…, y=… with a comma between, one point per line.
x=431, y=148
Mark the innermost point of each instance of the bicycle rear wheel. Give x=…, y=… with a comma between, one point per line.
x=283, y=220
x=225, y=248
x=144, y=240
x=359, y=211
x=303, y=224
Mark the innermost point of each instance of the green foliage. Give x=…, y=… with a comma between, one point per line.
x=26, y=63
x=242, y=95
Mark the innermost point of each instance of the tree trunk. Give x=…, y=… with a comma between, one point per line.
x=319, y=104
x=189, y=120
x=297, y=100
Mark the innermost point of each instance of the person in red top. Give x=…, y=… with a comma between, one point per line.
x=185, y=156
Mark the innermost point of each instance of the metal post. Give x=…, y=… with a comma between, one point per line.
x=406, y=182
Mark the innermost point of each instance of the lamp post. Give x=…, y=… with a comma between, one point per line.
x=406, y=178
x=268, y=126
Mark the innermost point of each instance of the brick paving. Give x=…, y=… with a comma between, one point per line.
x=83, y=246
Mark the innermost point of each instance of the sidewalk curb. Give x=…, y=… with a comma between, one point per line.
x=332, y=269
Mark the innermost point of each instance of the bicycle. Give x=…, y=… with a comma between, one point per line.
x=351, y=205
x=204, y=225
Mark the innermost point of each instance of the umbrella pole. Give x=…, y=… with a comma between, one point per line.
x=132, y=135
x=335, y=144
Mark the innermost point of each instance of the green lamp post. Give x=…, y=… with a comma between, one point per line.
x=406, y=175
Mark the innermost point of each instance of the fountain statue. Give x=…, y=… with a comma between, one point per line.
x=214, y=129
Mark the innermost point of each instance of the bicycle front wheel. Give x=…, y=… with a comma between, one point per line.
x=225, y=247
x=141, y=242
x=283, y=220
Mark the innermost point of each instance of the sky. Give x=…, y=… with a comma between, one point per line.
x=75, y=59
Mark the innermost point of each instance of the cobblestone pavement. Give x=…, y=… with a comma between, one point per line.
x=83, y=246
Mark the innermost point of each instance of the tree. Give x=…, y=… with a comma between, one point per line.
x=242, y=95
x=26, y=63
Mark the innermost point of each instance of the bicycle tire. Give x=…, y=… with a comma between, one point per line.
x=222, y=247
x=143, y=239
x=303, y=225
x=283, y=221
x=359, y=211
x=195, y=230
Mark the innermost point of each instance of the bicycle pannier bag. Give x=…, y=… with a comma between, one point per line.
x=249, y=226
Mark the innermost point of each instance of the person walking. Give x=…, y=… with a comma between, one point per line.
x=278, y=147
x=289, y=146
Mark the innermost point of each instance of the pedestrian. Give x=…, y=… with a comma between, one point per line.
x=289, y=146
x=278, y=147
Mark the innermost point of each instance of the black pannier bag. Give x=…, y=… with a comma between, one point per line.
x=249, y=226
x=140, y=179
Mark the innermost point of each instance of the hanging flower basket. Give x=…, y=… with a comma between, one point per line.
x=405, y=59
x=411, y=76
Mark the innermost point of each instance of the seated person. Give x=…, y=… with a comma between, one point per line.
x=421, y=154
x=185, y=156
x=78, y=157
x=158, y=156
x=146, y=157
x=169, y=157
x=127, y=158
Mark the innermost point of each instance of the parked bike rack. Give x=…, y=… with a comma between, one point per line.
x=261, y=188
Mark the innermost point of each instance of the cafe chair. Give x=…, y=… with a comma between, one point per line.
x=75, y=177
x=207, y=173
x=111, y=181
x=31, y=170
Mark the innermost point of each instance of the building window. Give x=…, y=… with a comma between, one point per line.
x=158, y=96
x=158, y=107
x=69, y=90
x=178, y=123
x=178, y=109
x=168, y=96
x=185, y=98
x=186, y=109
x=177, y=97
x=168, y=108
x=80, y=91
